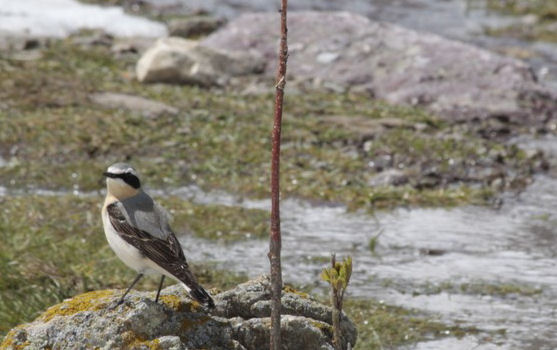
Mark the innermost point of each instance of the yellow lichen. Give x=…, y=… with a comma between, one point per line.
x=290, y=289
x=325, y=328
x=133, y=341
x=177, y=304
x=188, y=323
x=10, y=341
x=91, y=301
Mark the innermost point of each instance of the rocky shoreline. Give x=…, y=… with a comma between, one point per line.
x=240, y=321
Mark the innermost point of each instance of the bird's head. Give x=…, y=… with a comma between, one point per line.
x=122, y=180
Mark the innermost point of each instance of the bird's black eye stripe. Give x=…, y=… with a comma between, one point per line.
x=131, y=180
x=128, y=178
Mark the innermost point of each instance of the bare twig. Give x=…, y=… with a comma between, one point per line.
x=275, y=237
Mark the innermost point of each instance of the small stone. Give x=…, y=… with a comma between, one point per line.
x=131, y=45
x=390, y=177
x=327, y=57
x=530, y=19
x=148, y=108
x=195, y=26
x=180, y=61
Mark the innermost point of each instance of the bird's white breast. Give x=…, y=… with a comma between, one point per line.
x=126, y=252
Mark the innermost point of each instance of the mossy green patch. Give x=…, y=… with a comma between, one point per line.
x=541, y=27
x=217, y=222
x=478, y=288
x=382, y=326
x=545, y=9
x=325, y=328
x=53, y=247
x=502, y=289
x=334, y=145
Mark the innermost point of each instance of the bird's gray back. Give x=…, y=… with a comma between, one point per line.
x=145, y=214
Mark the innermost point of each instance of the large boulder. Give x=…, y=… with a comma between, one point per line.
x=182, y=61
x=239, y=321
x=343, y=51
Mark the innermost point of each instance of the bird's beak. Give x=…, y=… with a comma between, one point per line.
x=107, y=174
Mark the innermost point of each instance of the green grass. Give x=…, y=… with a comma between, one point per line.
x=545, y=9
x=55, y=138
x=53, y=247
x=382, y=326
x=478, y=288
x=542, y=30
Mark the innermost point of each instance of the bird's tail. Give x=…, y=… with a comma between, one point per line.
x=194, y=289
x=199, y=293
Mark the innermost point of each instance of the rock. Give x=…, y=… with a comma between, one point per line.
x=390, y=177
x=240, y=321
x=148, y=108
x=194, y=26
x=22, y=43
x=177, y=60
x=453, y=79
x=95, y=37
x=133, y=45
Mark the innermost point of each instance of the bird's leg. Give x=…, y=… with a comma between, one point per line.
x=159, y=291
x=130, y=287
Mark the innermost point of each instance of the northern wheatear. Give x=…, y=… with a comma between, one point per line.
x=138, y=231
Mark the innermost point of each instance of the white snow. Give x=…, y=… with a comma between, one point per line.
x=60, y=18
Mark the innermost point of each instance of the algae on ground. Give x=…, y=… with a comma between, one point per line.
x=334, y=145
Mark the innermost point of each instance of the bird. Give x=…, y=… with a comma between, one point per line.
x=138, y=231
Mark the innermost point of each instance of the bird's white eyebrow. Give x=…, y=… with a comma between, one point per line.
x=115, y=170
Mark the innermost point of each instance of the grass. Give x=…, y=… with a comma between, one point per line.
x=382, y=326
x=53, y=247
x=54, y=137
x=545, y=9
x=478, y=288
x=542, y=29
x=333, y=144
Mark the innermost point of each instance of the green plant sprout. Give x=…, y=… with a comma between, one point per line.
x=338, y=277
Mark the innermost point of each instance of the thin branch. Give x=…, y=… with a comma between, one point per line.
x=275, y=236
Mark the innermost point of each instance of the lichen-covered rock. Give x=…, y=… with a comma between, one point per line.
x=345, y=51
x=181, y=61
x=240, y=321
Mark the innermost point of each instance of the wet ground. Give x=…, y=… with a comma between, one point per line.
x=425, y=258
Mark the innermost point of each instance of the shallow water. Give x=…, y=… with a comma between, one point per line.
x=418, y=252
x=60, y=18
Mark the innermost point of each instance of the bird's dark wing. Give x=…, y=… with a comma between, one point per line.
x=167, y=252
